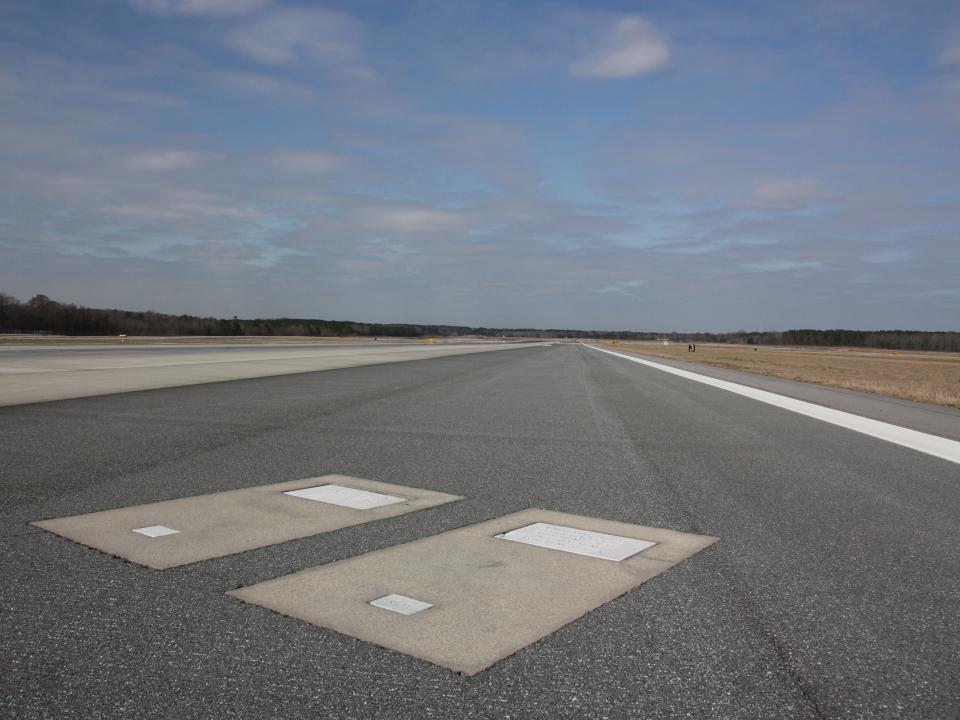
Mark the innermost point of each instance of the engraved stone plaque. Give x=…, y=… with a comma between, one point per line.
x=580, y=542
x=346, y=496
x=153, y=531
x=401, y=604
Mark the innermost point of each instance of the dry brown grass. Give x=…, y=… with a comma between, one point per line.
x=923, y=376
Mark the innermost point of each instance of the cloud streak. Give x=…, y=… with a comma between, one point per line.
x=465, y=165
x=786, y=193
x=199, y=8
x=298, y=34
x=629, y=47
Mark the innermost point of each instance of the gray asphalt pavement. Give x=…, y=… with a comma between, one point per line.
x=31, y=374
x=833, y=592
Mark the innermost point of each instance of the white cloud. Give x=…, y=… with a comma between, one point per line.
x=8, y=83
x=787, y=192
x=216, y=8
x=265, y=85
x=362, y=73
x=631, y=47
x=411, y=219
x=165, y=160
x=783, y=265
x=285, y=36
x=891, y=255
x=624, y=287
x=309, y=162
x=183, y=205
x=951, y=53
x=179, y=211
x=381, y=228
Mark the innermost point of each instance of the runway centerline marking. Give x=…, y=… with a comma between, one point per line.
x=940, y=447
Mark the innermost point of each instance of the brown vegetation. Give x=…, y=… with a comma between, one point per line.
x=924, y=377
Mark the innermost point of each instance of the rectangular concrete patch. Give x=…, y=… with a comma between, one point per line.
x=177, y=532
x=490, y=597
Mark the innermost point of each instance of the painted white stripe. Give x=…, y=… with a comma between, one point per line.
x=930, y=444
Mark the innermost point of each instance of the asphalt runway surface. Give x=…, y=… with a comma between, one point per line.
x=833, y=592
x=30, y=374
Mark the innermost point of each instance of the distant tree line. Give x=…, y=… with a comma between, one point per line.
x=41, y=315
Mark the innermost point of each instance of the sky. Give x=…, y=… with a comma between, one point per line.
x=656, y=166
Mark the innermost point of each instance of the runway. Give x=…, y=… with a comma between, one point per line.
x=832, y=591
x=30, y=374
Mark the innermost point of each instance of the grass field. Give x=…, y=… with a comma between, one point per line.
x=922, y=376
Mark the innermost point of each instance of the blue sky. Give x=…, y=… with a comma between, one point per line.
x=661, y=165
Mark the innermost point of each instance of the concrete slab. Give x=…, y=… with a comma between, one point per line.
x=224, y=523
x=490, y=597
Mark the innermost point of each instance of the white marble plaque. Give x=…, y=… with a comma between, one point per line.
x=579, y=542
x=154, y=531
x=401, y=604
x=346, y=496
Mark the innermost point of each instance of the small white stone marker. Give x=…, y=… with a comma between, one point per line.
x=346, y=496
x=579, y=542
x=155, y=531
x=401, y=604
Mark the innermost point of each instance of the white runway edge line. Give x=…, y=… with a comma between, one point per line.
x=930, y=444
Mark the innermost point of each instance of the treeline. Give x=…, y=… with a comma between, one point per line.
x=884, y=339
x=943, y=341
x=41, y=315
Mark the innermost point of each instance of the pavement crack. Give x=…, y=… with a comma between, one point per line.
x=16, y=536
